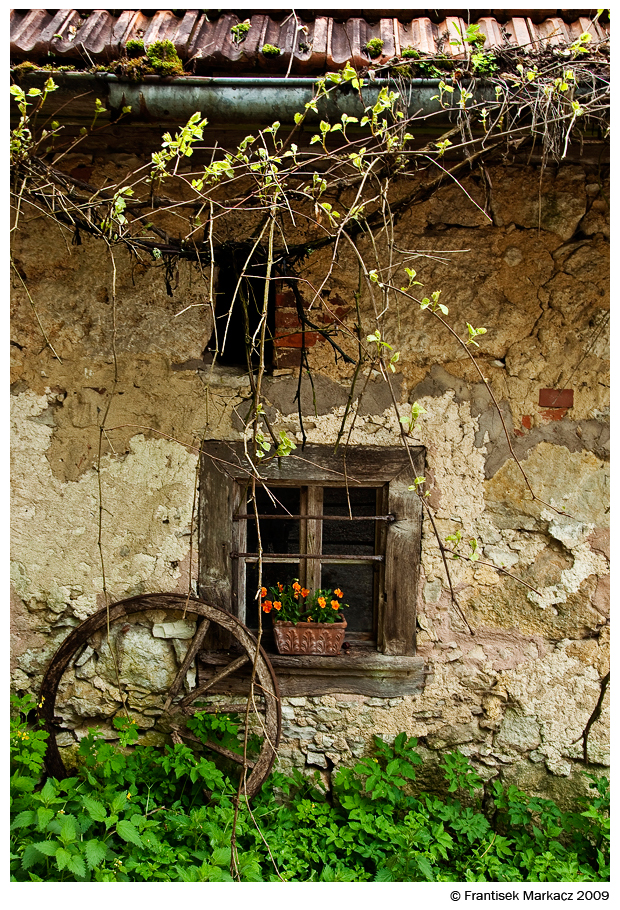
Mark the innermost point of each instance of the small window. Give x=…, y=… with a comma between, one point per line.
x=325, y=536
x=237, y=326
x=332, y=521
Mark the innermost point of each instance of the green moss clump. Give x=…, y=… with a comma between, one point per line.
x=270, y=50
x=404, y=71
x=25, y=67
x=135, y=47
x=374, y=47
x=163, y=59
x=410, y=53
x=239, y=31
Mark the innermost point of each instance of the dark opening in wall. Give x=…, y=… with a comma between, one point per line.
x=238, y=308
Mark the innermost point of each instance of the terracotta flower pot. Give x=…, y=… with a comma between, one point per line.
x=309, y=637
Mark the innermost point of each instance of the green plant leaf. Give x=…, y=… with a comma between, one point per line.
x=95, y=809
x=63, y=858
x=49, y=791
x=384, y=875
x=68, y=832
x=127, y=831
x=32, y=855
x=76, y=865
x=24, y=819
x=44, y=817
x=95, y=852
x=425, y=868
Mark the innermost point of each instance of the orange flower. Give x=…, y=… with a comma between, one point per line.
x=335, y=605
x=263, y=592
x=296, y=586
x=338, y=593
x=321, y=602
x=280, y=587
x=267, y=606
x=277, y=605
x=304, y=592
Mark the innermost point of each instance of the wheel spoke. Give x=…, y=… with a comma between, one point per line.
x=200, y=690
x=179, y=735
x=193, y=649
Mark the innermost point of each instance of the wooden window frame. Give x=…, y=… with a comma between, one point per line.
x=394, y=667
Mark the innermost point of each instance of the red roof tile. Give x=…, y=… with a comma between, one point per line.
x=320, y=40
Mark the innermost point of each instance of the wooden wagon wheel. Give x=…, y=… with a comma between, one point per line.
x=173, y=710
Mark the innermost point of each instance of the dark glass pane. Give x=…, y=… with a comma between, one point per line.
x=278, y=535
x=272, y=574
x=356, y=583
x=349, y=537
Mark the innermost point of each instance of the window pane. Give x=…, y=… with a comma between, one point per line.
x=356, y=583
x=280, y=535
x=349, y=537
x=272, y=573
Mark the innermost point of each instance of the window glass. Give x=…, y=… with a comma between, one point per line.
x=279, y=535
x=354, y=538
x=357, y=585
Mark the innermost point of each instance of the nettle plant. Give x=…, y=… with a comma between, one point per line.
x=313, y=194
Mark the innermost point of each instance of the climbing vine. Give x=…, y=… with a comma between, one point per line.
x=341, y=185
x=338, y=187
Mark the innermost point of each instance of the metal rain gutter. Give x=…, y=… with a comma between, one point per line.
x=226, y=101
x=261, y=99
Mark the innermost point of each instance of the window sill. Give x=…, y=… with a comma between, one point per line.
x=373, y=675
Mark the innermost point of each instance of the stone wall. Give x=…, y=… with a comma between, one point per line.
x=517, y=693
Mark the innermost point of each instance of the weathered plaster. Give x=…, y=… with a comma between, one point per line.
x=57, y=565
x=517, y=693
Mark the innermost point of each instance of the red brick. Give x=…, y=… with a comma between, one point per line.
x=296, y=340
x=285, y=298
x=555, y=398
x=526, y=421
x=286, y=318
x=286, y=358
x=554, y=413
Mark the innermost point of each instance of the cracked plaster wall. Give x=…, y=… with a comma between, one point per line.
x=516, y=694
